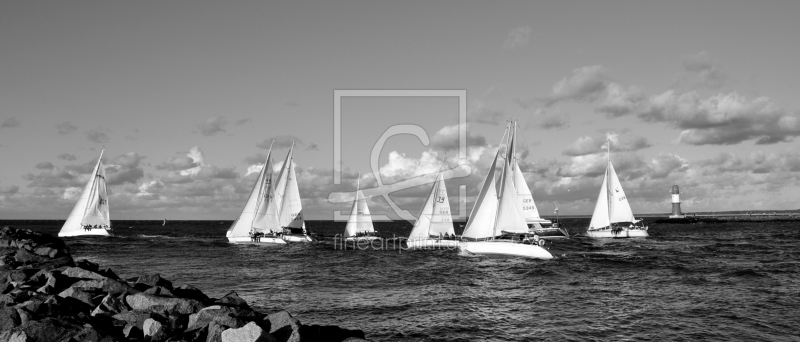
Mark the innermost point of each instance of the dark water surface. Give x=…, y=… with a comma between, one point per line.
x=717, y=281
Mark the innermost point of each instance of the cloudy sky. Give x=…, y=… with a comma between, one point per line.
x=185, y=96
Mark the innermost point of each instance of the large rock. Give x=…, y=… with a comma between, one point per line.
x=135, y=318
x=9, y=318
x=48, y=330
x=79, y=273
x=284, y=327
x=159, y=291
x=79, y=295
x=153, y=330
x=191, y=292
x=107, y=285
x=216, y=313
x=147, y=281
x=232, y=299
x=248, y=333
x=215, y=332
x=141, y=301
x=111, y=305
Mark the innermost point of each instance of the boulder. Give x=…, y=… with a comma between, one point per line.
x=108, y=273
x=141, y=301
x=147, y=281
x=248, y=333
x=221, y=314
x=159, y=291
x=191, y=292
x=215, y=332
x=111, y=305
x=153, y=330
x=134, y=317
x=131, y=332
x=79, y=273
x=78, y=294
x=48, y=330
x=9, y=318
x=284, y=327
x=106, y=285
x=232, y=299
x=26, y=257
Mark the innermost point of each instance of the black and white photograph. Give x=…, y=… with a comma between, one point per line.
x=385, y=171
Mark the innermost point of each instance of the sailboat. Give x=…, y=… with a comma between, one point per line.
x=90, y=215
x=542, y=227
x=290, y=204
x=434, y=226
x=613, y=217
x=496, y=226
x=359, y=224
x=258, y=222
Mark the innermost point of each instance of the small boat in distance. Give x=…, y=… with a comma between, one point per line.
x=290, y=204
x=90, y=216
x=434, y=226
x=613, y=217
x=359, y=224
x=496, y=226
x=258, y=222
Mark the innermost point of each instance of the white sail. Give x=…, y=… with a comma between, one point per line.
x=619, y=208
x=283, y=177
x=531, y=213
x=600, y=217
x=91, y=208
x=265, y=216
x=260, y=211
x=434, y=218
x=529, y=209
x=291, y=214
x=510, y=217
x=360, y=220
x=484, y=212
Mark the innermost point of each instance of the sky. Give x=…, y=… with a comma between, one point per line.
x=186, y=96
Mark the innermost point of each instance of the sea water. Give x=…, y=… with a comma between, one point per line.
x=736, y=281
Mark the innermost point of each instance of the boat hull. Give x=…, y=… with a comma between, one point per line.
x=505, y=249
x=624, y=233
x=361, y=238
x=83, y=232
x=551, y=232
x=264, y=240
x=432, y=244
x=296, y=238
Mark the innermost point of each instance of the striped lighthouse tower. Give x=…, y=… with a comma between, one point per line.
x=676, y=203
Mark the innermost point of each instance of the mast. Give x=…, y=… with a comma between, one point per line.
x=502, y=182
x=608, y=185
x=92, y=189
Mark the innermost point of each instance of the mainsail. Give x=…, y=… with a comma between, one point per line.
x=360, y=220
x=510, y=217
x=434, y=218
x=260, y=212
x=92, y=207
x=612, y=204
x=291, y=213
x=484, y=212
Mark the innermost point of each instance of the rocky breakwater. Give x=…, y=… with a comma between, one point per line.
x=49, y=297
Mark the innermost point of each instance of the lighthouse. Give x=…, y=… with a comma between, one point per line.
x=676, y=203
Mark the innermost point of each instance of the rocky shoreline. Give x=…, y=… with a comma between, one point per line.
x=49, y=297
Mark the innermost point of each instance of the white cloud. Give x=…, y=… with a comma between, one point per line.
x=518, y=38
